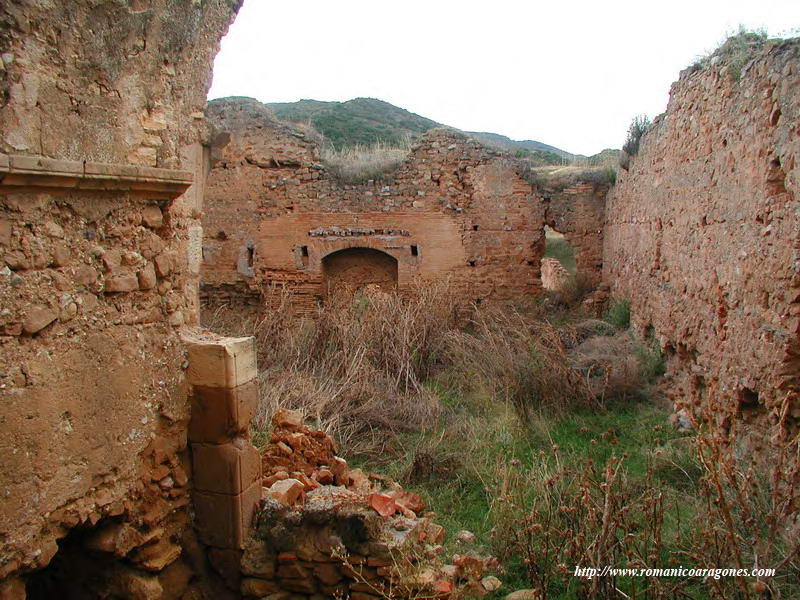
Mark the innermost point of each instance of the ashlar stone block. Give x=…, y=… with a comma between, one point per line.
x=224, y=362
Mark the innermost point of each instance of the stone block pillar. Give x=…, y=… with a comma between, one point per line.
x=226, y=466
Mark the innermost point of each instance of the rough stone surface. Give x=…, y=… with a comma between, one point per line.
x=554, y=275
x=286, y=491
x=703, y=236
x=274, y=215
x=94, y=402
x=345, y=540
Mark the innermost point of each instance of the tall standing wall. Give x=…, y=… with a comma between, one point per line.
x=101, y=171
x=703, y=233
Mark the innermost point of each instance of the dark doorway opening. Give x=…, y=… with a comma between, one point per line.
x=359, y=268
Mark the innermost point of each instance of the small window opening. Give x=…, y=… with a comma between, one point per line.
x=472, y=263
x=414, y=250
x=304, y=255
x=475, y=227
x=251, y=254
x=477, y=300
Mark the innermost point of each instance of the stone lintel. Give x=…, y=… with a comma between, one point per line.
x=19, y=172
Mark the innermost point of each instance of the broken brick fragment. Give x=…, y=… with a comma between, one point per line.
x=287, y=491
x=382, y=504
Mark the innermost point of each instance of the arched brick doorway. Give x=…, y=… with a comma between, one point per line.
x=358, y=268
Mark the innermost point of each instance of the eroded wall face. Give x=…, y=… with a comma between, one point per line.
x=113, y=82
x=453, y=209
x=578, y=212
x=100, y=123
x=703, y=235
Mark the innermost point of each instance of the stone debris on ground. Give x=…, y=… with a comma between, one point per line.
x=324, y=529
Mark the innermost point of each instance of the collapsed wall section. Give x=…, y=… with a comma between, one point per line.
x=703, y=234
x=275, y=214
x=577, y=211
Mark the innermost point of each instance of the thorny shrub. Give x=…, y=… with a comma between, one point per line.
x=522, y=360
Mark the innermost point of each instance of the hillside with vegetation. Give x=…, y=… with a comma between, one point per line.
x=368, y=122
x=361, y=121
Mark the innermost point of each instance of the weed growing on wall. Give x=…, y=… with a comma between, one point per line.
x=358, y=164
x=640, y=125
x=618, y=313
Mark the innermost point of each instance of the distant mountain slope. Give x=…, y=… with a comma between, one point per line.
x=360, y=121
x=368, y=121
x=502, y=141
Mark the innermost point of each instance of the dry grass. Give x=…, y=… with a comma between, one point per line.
x=706, y=501
x=522, y=360
x=610, y=366
x=369, y=366
x=358, y=367
x=573, y=290
x=558, y=178
x=363, y=163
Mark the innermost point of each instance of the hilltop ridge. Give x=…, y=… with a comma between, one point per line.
x=369, y=121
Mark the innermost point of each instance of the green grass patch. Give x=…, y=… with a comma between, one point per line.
x=556, y=246
x=618, y=313
x=460, y=469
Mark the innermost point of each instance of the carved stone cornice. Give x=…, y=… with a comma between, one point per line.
x=30, y=173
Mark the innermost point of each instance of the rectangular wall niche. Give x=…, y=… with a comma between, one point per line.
x=245, y=264
x=301, y=257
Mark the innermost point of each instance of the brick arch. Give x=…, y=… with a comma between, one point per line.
x=359, y=267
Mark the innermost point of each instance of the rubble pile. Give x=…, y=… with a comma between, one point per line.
x=325, y=530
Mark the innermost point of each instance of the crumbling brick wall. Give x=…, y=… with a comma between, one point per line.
x=273, y=214
x=577, y=210
x=554, y=275
x=101, y=114
x=703, y=234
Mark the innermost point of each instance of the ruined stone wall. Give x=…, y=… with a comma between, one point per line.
x=577, y=210
x=452, y=209
x=554, y=275
x=326, y=530
x=703, y=234
x=101, y=115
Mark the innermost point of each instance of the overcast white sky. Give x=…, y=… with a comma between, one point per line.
x=571, y=74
